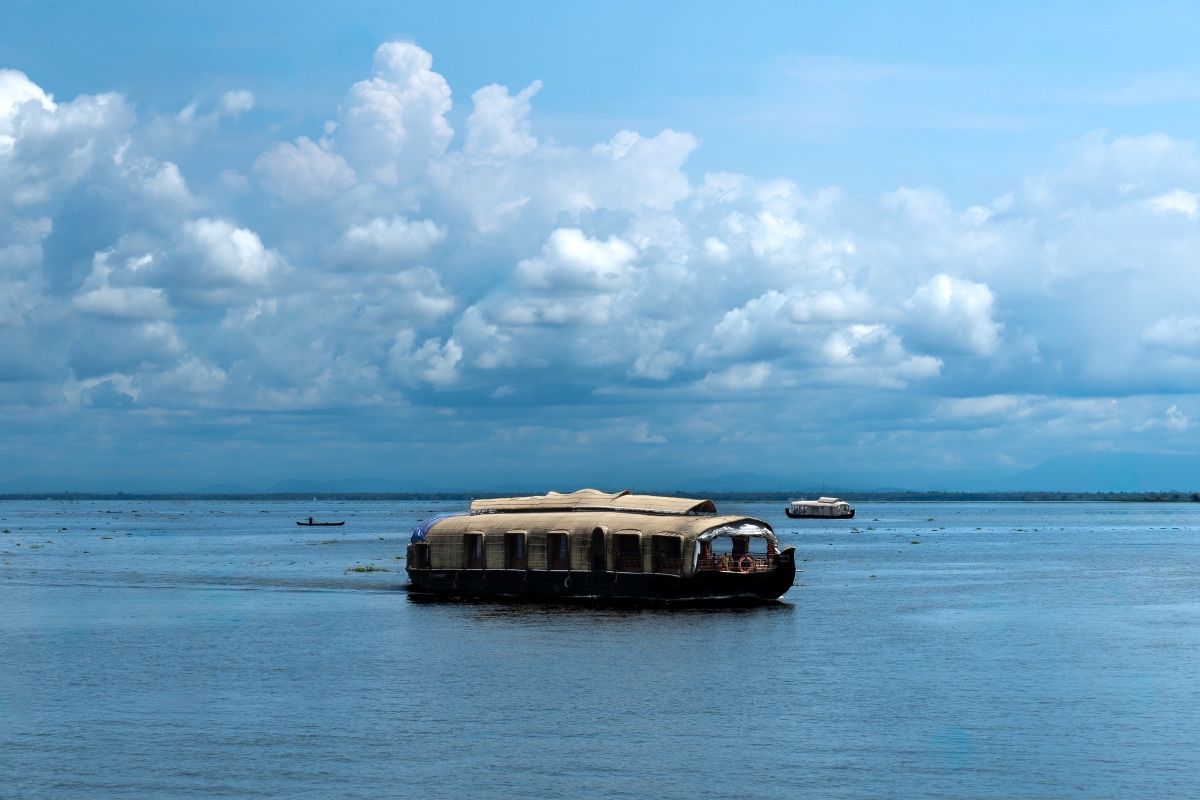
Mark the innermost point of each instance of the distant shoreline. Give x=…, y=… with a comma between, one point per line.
x=864, y=496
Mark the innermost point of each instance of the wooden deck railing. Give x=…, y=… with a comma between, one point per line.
x=744, y=563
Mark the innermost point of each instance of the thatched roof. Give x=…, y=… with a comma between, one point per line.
x=594, y=500
x=584, y=522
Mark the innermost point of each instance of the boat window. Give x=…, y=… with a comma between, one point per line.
x=558, y=557
x=473, y=547
x=629, y=552
x=599, y=554
x=514, y=550
x=667, y=554
x=418, y=555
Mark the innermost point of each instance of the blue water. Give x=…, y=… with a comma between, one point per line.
x=214, y=649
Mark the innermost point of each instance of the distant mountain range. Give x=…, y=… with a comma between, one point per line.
x=1114, y=472
x=1081, y=472
x=381, y=485
x=34, y=483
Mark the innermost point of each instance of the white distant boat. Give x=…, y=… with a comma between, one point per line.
x=821, y=508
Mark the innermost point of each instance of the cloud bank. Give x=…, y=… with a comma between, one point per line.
x=485, y=302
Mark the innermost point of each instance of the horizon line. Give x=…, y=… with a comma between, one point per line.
x=1173, y=495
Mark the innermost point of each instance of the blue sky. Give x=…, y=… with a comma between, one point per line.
x=620, y=243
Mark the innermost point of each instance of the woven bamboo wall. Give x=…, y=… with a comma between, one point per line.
x=689, y=556
x=581, y=550
x=493, y=550
x=447, y=552
x=536, y=544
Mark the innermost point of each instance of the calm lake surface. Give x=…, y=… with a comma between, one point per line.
x=215, y=649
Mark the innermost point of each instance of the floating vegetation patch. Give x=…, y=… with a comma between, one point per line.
x=366, y=568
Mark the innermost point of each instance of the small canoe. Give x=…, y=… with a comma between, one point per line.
x=321, y=524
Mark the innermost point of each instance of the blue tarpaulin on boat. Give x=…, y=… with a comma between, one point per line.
x=421, y=532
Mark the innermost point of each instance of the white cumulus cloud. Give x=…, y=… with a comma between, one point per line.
x=1180, y=334
x=16, y=90
x=1177, y=201
x=237, y=102
x=394, y=122
x=303, y=170
x=499, y=127
x=226, y=254
x=391, y=239
x=959, y=312
x=571, y=261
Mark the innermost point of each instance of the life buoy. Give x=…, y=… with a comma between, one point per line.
x=745, y=564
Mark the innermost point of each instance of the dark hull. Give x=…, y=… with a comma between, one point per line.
x=788, y=511
x=321, y=524
x=617, y=586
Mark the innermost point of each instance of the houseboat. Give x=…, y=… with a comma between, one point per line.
x=593, y=544
x=821, y=508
